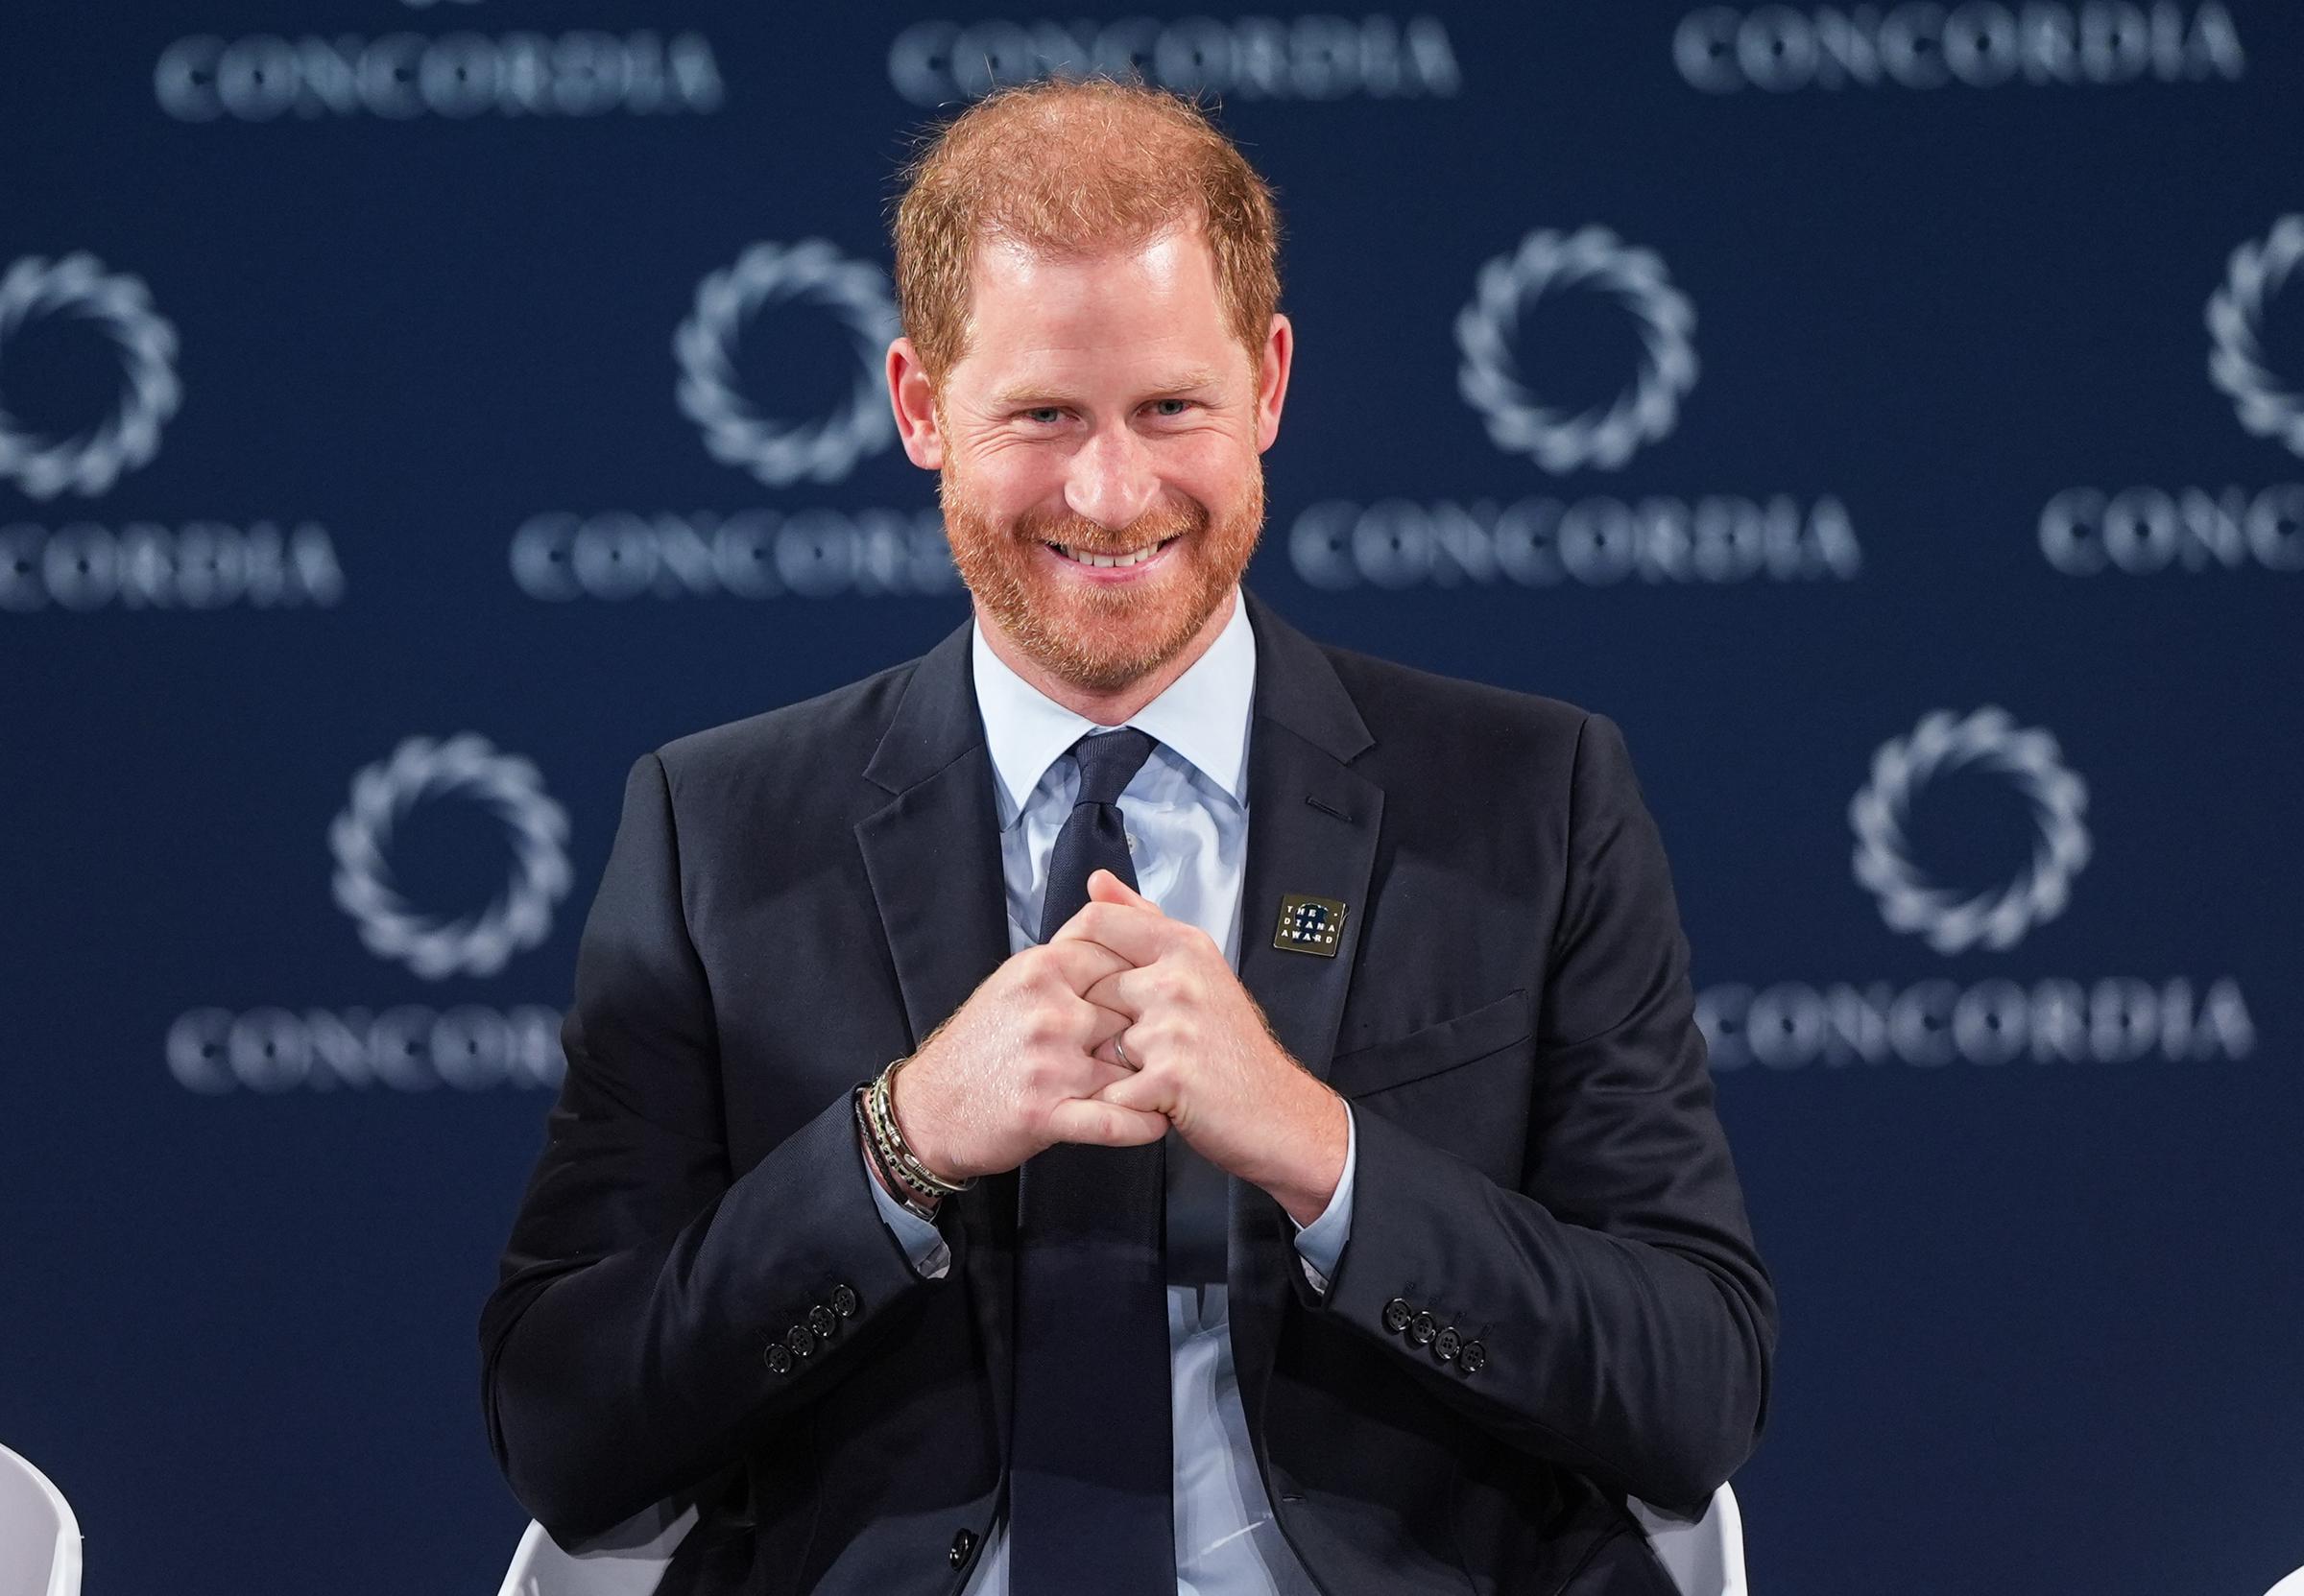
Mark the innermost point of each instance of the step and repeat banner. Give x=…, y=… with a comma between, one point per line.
x=411, y=411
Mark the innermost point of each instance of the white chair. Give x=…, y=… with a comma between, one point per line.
x=628, y=1560
x=1705, y=1555
x=39, y=1539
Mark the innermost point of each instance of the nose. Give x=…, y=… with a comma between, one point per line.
x=1112, y=481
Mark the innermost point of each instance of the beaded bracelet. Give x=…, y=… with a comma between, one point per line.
x=892, y=1159
x=907, y=1197
x=896, y=1156
x=894, y=1149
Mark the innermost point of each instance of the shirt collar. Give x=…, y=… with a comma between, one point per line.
x=1202, y=716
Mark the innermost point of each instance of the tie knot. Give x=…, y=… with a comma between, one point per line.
x=1108, y=761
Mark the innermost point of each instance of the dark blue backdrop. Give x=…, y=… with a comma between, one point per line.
x=410, y=412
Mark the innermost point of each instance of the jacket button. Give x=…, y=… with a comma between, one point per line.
x=963, y=1543
x=800, y=1340
x=821, y=1322
x=1396, y=1315
x=844, y=1301
x=1474, y=1358
x=1448, y=1344
x=1423, y=1328
x=779, y=1361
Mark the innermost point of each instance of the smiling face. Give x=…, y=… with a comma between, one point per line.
x=1098, y=444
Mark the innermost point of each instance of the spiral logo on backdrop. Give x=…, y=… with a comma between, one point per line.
x=1945, y=778
x=427, y=943
x=88, y=464
x=2264, y=402
x=2255, y=322
x=49, y=367
x=825, y=449
x=1541, y=317
x=1521, y=421
x=412, y=1047
x=1951, y=920
x=788, y=329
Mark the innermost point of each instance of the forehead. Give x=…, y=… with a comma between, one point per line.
x=1129, y=312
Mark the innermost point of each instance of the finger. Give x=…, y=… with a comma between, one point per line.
x=1127, y=991
x=1140, y=1092
x=1088, y=1079
x=1102, y=1074
x=1113, y=1050
x=1103, y=1024
x=1104, y=887
x=1083, y=963
x=1136, y=935
x=1100, y=1124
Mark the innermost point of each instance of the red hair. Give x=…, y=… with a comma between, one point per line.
x=1070, y=167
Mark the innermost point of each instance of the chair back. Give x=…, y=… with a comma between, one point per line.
x=628, y=1560
x=39, y=1539
x=1705, y=1555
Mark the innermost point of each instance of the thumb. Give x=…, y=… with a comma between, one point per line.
x=1098, y=1124
x=1104, y=887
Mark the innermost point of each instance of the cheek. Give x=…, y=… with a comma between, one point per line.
x=1210, y=469
x=1009, y=479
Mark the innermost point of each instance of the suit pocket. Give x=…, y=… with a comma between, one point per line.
x=1431, y=1049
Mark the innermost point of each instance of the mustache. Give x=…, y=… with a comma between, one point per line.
x=1078, y=532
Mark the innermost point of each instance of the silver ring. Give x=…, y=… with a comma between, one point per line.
x=1121, y=1053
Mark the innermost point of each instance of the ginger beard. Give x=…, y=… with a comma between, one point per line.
x=1100, y=636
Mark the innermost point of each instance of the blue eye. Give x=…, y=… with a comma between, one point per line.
x=1047, y=415
x=1171, y=407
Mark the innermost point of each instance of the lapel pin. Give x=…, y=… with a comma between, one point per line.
x=1309, y=926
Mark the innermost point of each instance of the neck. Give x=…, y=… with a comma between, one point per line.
x=1112, y=708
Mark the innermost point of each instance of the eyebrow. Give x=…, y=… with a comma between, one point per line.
x=1032, y=395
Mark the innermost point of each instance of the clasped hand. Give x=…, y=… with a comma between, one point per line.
x=1123, y=1023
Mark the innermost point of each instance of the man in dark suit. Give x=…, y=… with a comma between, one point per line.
x=1298, y=1168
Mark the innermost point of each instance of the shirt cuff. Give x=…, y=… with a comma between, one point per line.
x=1321, y=1243
x=923, y=1242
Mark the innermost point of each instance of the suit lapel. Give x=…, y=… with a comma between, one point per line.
x=932, y=854
x=1313, y=824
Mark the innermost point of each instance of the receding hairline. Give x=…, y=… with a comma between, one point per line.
x=1073, y=170
x=1188, y=373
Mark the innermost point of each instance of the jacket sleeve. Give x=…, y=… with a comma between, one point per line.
x=624, y=1350
x=1626, y=1322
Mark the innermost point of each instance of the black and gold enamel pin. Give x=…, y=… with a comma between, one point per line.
x=1309, y=926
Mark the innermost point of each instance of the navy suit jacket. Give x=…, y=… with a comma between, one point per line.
x=794, y=899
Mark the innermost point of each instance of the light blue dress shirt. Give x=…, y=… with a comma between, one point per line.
x=1187, y=814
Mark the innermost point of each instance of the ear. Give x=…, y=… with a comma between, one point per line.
x=1272, y=381
x=914, y=399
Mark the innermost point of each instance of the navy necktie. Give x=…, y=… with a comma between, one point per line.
x=1090, y=1484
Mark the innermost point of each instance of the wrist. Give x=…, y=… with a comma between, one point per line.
x=904, y=1110
x=892, y=1166
x=902, y=1174
x=1312, y=1164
